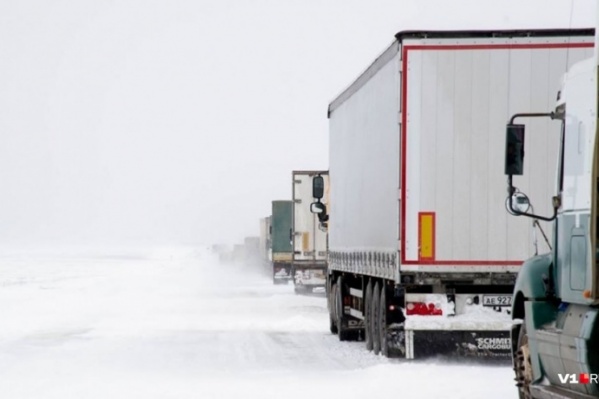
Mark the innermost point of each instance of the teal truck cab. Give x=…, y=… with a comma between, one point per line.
x=555, y=348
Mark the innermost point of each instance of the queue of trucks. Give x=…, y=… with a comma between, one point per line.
x=419, y=246
x=293, y=242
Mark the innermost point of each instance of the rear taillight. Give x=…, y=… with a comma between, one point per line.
x=423, y=309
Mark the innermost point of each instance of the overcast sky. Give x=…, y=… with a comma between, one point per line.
x=178, y=121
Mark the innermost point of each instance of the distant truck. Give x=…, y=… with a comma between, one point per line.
x=266, y=244
x=309, y=262
x=281, y=236
x=252, y=251
x=238, y=253
x=218, y=248
x=422, y=255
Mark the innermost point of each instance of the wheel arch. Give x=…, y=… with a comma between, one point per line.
x=530, y=278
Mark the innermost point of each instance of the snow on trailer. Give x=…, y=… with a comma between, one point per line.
x=423, y=256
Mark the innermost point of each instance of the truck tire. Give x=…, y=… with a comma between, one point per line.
x=382, y=317
x=368, y=316
x=332, y=316
x=522, y=364
x=342, y=332
x=374, y=324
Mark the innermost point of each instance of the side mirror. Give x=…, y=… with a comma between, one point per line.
x=318, y=187
x=318, y=207
x=514, y=150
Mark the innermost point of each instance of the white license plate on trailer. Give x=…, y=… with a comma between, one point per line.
x=497, y=300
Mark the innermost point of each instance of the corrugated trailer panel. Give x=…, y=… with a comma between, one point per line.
x=459, y=95
x=364, y=153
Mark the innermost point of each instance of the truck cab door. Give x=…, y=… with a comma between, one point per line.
x=576, y=239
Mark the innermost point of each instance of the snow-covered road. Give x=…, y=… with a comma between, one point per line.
x=175, y=324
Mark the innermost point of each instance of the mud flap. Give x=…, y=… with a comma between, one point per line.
x=281, y=273
x=416, y=344
x=309, y=275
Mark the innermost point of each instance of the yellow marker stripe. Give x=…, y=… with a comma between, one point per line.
x=305, y=242
x=426, y=222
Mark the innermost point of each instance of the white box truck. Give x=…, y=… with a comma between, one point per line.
x=309, y=262
x=422, y=255
x=265, y=245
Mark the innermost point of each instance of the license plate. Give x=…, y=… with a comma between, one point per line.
x=497, y=300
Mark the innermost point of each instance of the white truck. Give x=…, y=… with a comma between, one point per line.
x=422, y=255
x=265, y=245
x=309, y=262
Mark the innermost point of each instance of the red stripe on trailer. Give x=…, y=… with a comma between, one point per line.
x=464, y=262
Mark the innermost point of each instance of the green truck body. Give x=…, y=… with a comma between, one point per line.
x=281, y=234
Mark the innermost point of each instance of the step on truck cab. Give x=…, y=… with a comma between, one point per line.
x=422, y=255
x=309, y=235
x=555, y=337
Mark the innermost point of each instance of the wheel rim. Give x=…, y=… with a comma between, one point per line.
x=376, y=342
x=367, y=316
x=334, y=303
x=331, y=308
x=523, y=366
x=383, y=322
x=339, y=303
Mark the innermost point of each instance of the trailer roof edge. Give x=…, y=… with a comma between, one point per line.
x=393, y=49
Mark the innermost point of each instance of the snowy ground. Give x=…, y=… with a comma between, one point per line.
x=175, y=324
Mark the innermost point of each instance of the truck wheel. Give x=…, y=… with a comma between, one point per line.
x=341, y=331
x=522, y=364
x=374, y=324
x=382, y=316
x=368, y=316
x=332, y=316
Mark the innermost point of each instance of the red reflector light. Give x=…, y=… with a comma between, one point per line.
x=423, y=309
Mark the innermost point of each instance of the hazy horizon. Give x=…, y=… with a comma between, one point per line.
x=178, y=122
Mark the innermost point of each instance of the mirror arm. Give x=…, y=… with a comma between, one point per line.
x=511, y=191
x=551, y=115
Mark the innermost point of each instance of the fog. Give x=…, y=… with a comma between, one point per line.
x=177, y=122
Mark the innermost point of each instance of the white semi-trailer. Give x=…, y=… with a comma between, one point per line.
x=422, y=254
x=309, y=262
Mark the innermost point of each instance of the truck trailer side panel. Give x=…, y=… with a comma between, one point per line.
x=364, y=173
x=447, y=188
